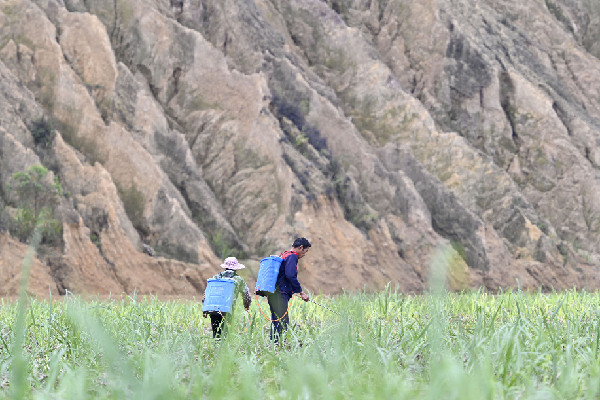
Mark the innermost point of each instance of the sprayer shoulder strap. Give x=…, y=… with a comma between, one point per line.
x=286, y=254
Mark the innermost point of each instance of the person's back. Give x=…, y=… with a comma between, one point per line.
x=241, y=288
x=217, y=320
x=287, y=279
x=287, y=285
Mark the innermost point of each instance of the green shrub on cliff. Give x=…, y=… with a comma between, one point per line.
x=43, y=132
x=35, y=197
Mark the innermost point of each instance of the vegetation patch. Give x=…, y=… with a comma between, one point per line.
x=378, y=128
x=356, y=210
x=282, y=107
x=43, y=132
x=134, y=203
x=383, y=345
x=199, y=103
x=591, y=214
x=223, y=247
x=337, y=60
x=35, y=198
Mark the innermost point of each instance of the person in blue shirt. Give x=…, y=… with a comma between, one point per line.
x=287, y=285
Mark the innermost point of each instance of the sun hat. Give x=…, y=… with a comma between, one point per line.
x=232, y=263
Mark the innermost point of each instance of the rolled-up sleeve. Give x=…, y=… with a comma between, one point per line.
x=291, y=273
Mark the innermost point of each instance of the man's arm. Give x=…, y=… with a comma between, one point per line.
x=291, y=273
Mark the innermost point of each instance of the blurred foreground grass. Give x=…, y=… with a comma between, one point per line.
x=384, y=345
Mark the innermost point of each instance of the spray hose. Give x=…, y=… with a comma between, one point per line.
x=286, y=311
x=263, y=314
x=275, y=320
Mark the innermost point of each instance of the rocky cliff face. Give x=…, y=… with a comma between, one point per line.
x=380, y=130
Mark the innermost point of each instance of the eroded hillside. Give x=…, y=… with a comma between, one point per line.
x=381, y=130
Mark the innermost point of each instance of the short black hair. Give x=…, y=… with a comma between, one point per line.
x=301, y=242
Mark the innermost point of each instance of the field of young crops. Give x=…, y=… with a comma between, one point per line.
x=382, y=346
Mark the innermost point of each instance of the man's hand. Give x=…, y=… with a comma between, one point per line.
x=304, y=296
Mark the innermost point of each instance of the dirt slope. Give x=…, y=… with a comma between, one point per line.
x=381, y=130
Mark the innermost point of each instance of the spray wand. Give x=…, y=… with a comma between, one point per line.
x=329, y=309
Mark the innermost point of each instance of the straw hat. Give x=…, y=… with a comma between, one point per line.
x=232, y=263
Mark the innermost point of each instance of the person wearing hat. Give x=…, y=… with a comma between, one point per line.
x=231, y=265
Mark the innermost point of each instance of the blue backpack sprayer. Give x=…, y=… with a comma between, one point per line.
x=219, y=295
x=267, y=275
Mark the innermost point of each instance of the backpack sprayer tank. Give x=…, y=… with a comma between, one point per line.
x=219, y=295
x=267, y=275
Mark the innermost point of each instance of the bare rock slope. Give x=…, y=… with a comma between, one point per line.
x=381, y=130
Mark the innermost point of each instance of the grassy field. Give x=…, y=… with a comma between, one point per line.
x=385, y=345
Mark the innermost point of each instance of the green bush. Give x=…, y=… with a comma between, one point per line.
x=43, y=132
x=35, y=199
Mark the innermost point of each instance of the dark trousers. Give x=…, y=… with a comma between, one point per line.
x=216, y=322
x=278, y=302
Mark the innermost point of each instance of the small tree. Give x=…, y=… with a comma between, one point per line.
x=37, y=196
